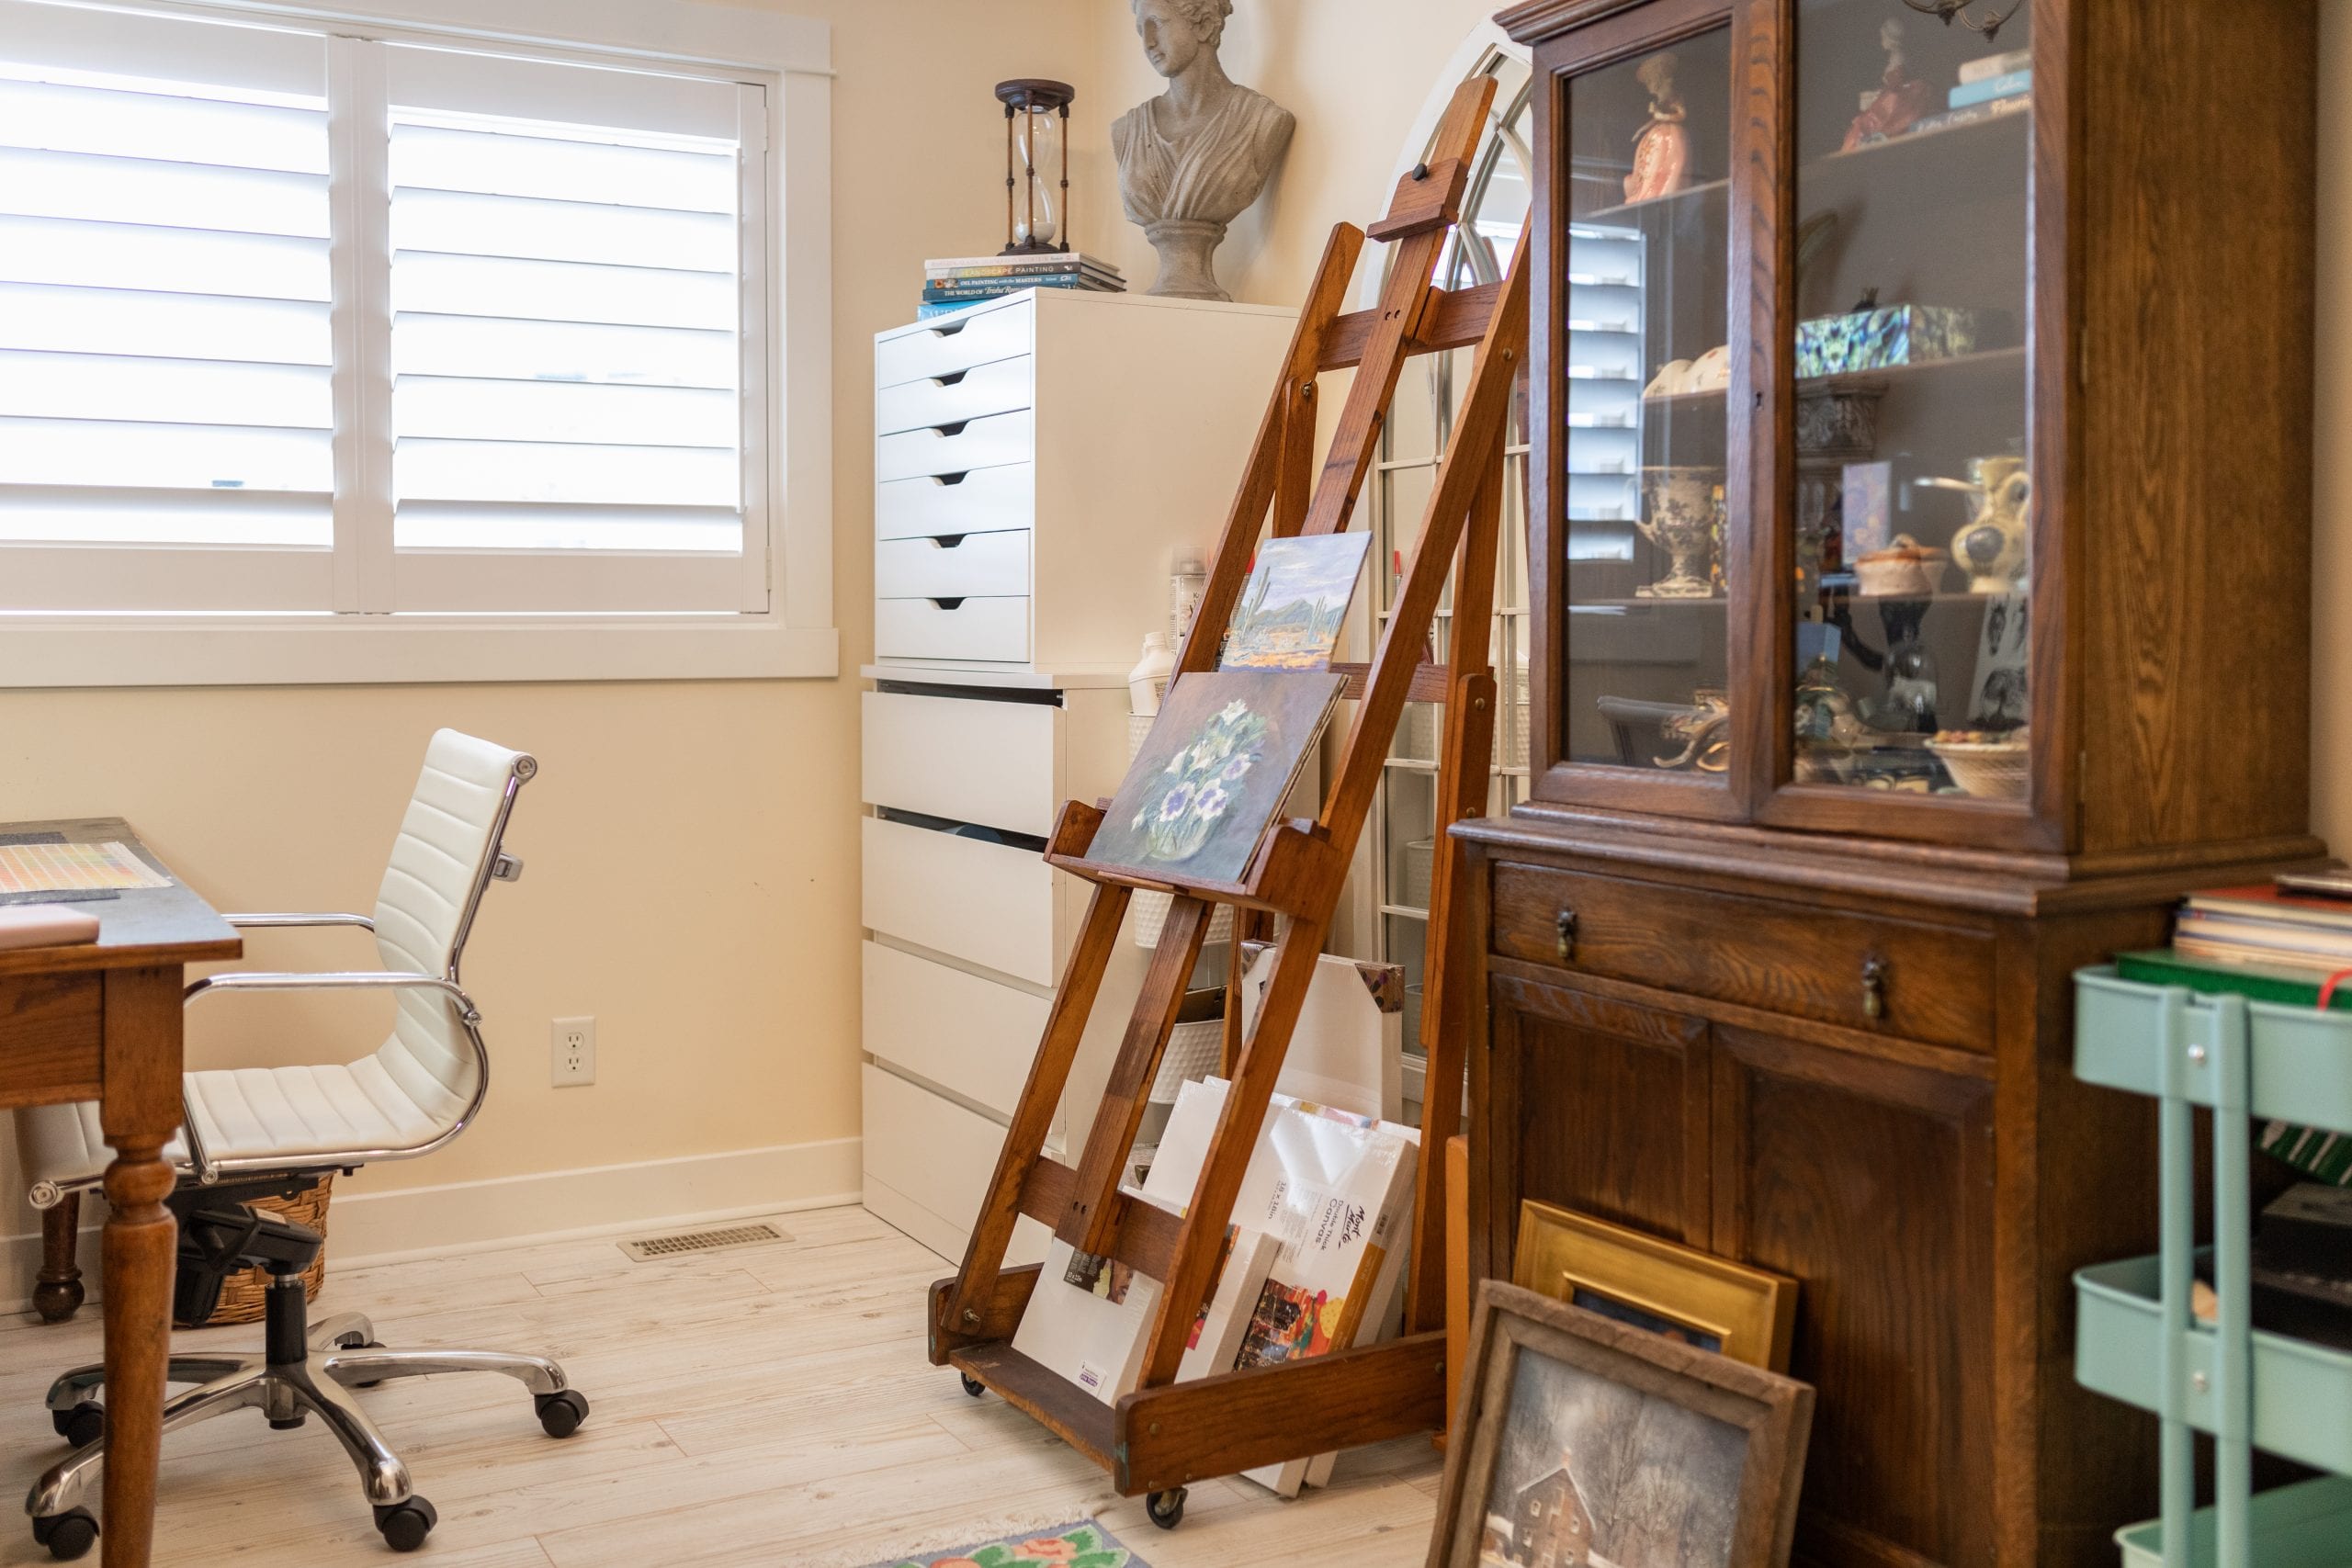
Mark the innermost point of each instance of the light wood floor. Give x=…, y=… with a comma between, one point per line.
x=763, y=1405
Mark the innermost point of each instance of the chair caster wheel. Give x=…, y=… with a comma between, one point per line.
x=68, y=1535
x=405, y=1525
x=1166, y=1509
x=560, y=1413
x=973, y=1386
x=82, y=1425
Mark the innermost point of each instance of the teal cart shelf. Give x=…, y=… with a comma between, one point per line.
x=2136, y=1339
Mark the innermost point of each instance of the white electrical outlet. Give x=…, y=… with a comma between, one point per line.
x=574, y=1050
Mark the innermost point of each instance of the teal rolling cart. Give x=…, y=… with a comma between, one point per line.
x=2136, y=1339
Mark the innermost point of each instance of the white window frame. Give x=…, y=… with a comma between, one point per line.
x=793, y=636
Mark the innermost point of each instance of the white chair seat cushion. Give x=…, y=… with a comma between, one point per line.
x=291, y=1114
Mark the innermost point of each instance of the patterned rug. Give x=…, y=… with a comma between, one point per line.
x=1084, y=1544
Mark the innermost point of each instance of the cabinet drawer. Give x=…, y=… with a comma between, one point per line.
x=996, y=388
x=954, y=344
x=954, y=449
x=1936, y=981
x=952, y=566
x=996, y=630
x=986, y=500
x=989, y=904
x=966, y=1033
x=963, y=759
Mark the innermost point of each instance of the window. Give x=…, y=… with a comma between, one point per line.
x=306, y=329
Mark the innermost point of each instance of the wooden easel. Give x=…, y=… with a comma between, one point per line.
x=1164, y=1433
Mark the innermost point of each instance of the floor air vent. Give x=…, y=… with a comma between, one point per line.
x=648, y=1248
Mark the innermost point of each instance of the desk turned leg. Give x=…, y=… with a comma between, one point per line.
x=142, y=1110
x=57, y=1296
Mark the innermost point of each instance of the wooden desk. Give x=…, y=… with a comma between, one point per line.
x=102, y=1021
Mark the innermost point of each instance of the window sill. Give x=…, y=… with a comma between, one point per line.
x=314, y=650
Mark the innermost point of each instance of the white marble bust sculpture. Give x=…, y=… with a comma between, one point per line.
x=1191, y=160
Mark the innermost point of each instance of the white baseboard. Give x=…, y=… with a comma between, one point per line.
x=468, y=1216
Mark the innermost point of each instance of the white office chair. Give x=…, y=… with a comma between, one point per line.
x=254, y=1130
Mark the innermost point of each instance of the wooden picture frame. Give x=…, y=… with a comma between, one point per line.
x=1704, y=1455
x=1747, y=1314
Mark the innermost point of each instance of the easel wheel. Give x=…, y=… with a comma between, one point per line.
x=1166, y=1508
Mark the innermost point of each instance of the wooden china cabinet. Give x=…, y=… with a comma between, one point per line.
x=1920, y=509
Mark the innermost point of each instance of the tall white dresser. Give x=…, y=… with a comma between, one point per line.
x=1039, y=461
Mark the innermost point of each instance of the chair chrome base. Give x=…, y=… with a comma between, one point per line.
x=339, y=1354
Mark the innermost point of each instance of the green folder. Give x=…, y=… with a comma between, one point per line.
x=2321, y=1154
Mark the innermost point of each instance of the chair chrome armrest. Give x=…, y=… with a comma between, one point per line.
x=207, y=1170
x=301, y=920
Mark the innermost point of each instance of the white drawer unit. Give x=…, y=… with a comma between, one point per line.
x=965, y=936
x=995, y=763
x=951, y=399
x=1038, y=461
x=930, y=1182
x=950, y=1027
x=945, y=344
x=986, y=500
x=955, y=448
x=1111, y=428
x=954, y=629
x=952, y=566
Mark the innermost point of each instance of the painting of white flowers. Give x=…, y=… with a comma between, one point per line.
x=1295, y=602
x=1213, y=773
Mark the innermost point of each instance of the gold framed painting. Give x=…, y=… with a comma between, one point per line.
x=1747, y=1314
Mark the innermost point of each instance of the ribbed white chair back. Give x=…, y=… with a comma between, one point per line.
x=440, y=865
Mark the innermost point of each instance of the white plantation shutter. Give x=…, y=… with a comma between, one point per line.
x=293, y=322
x=568, y=282
x=166, y=410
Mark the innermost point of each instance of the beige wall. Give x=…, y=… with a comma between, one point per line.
x=693, y=861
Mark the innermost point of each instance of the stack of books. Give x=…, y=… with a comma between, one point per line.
x=1996, y=86
x=2266, y=927
x=956, y=281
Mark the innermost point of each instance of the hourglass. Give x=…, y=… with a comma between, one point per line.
x=1036, y=132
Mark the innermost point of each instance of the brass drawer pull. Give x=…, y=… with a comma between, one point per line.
x=1566, y=928
x=1873, y=988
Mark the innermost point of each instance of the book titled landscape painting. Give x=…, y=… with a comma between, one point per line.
x=1213, y=773
x=1295, y=602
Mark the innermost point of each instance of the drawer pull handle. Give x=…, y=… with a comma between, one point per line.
x=954, y=603
x=1873, y=988
x=948, y=541
x=949, y=380
x=950, y=479
x=947, y=431
x=1566, y=926
x=949, y=331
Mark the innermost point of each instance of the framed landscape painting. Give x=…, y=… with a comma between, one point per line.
x=1295, y=602
x=1583, y=1442
x=1213, y=773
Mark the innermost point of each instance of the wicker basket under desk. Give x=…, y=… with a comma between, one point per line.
x=241, y=1293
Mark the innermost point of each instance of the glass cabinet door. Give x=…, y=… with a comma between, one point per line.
x=1638, y=509
x=1913, y=507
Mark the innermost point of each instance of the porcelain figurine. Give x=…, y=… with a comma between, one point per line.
x=1827, y=727
x=1679, y=515
x=1662, y=149
x=1899, y=101
x=1191, y=160
x=1704, y=731
x=1994, y=547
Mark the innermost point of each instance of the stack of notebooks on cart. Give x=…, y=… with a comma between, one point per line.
x=952, y=283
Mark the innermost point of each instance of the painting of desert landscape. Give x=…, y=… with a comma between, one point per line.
x=1591, y=1473
x=1295, y=602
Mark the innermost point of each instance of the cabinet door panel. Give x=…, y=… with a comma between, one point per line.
x=1872, y=1185
x=1599, y=1106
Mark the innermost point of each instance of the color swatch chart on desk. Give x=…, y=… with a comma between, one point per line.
x=73, y=868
